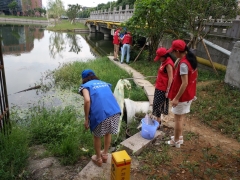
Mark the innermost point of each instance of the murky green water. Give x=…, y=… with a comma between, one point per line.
x=30, y=51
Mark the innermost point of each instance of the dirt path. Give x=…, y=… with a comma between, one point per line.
x=210, y=135
x=206, y=133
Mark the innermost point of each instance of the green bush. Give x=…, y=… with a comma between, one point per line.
x=13, y=152
x=61, y=132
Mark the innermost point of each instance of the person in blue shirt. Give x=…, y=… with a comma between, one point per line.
x=102, y=113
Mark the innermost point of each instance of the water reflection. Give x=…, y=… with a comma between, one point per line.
x=30, y=51
x=18, y=39
x=73, y=41
x=56, y=44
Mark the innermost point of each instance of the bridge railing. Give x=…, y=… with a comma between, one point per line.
x=120, y=15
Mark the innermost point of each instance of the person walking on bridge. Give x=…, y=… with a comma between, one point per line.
x=163, y=83
x=183, y=89
x=116, y=43
x=102, y=113
x=127, y=42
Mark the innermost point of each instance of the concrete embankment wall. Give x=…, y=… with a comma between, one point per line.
x=23, y=21
x=232, y=76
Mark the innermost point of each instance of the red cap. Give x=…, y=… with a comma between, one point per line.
x=178, y=45
x=160, y=52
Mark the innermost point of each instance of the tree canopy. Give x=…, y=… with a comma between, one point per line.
x=187, y=18
x=73, y=11
x=180, y=19
x=12, y=6
x=55, y=8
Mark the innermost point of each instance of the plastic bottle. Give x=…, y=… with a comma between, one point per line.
x=148, y=120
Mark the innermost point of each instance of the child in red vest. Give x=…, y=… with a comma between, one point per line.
x=183, y=88
x=163, y=83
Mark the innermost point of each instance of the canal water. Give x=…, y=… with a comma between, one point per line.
x=29, y=51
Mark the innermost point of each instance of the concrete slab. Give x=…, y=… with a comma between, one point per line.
x=93, y=172
x=142, y=82
x=149, y=90
x=136, y=143
x=150, y=98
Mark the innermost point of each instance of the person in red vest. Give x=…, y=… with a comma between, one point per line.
x=163, y=83
x=127, y=42
x=183, y=89
x=116, y=43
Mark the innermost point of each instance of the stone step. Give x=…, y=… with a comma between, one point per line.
x=93, y=172
x=136, y=143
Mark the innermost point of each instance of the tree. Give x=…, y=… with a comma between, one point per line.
x=148, y=21
x=189, y=17
x=55, y=9
x=73, y=11
x=40, y=10
x=12, y=6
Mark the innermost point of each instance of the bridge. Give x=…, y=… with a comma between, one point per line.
x=106, y=21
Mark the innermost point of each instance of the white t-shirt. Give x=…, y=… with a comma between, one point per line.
x=183, y=69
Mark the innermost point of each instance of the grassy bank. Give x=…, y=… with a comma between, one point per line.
x=59, y=129
x=65, y=25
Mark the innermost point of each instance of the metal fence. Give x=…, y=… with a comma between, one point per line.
x=4, y=108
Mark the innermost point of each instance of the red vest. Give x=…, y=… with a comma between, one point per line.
x=190, y=90
x=162, y=78
x=116, y=37
x=127, y=39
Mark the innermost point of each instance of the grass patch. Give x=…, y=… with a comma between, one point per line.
x=13, y=152
x=23, y=17
x=60, y=131
x=195, y=160
x=65, y=25
x=150, y=68
x=218, y=105
x=68, y=76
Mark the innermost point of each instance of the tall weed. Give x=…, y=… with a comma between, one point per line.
x=13, y=152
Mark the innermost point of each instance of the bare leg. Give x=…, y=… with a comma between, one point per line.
x=107, y=142
x=178, y=129
x=159, y=119
x=97, y=146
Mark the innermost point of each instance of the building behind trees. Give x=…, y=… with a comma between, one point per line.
x=22, y=6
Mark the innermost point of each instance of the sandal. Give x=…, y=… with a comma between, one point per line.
x=180, y=139
x=173, y=143
x=104, y=157
x=96, y=161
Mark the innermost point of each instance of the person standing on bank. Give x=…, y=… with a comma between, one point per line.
x=127, y=42
x=102, y=113
x=163, y=83
x=183, y=88
x=116, y=43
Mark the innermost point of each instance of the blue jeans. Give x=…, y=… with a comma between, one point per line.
x=125, y=48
